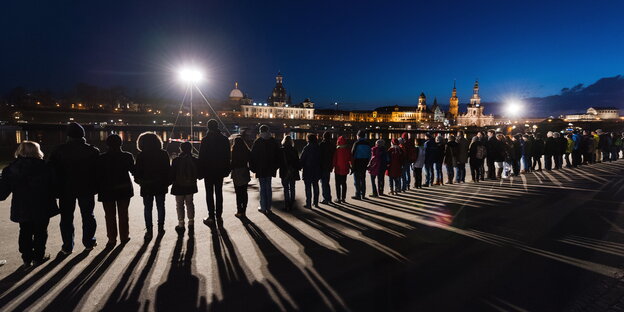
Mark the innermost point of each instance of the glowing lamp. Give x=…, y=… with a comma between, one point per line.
x=190, y=75
x=514, y=108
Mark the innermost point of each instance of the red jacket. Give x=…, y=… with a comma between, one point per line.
x=396, y=162
x=342, y=157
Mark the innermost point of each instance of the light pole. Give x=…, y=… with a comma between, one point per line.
x=190, y=76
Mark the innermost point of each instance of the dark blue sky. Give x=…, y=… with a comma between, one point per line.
x=362, y=54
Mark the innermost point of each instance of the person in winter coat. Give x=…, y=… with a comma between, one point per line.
x=417, y=165
x=265, y=160
x=395, y=167
x=569, y=150
x=516, y=153
x=432, y=155
x=152, y=173
x=537, y=152
x=550, y=149
x=184, y=176
x=327, y=149
x=75, y=167
x=604, y=144
x=462, y=157
x=361, y=152
x=409, y=152
x=450, y=158
x=502, y=155
x=241, y=156
x=526, y=153
x=377, y=167
x=214, y=165
x=289, y=171
x=477, y=153
x=589, y=148
x=492, y=153
x=342, y=165
x=597, y=150
x=562, y=144
x=616, y=146
x=439, y=140
x=115, y=188
x=310, y=162
x=33, y=203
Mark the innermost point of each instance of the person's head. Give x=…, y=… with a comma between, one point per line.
x=287, y=141
x=593, y=133
x=395, y=142
x=420, y=142
x=29, y=149
x=264, y=129
x=451, y=138
x=585, y=132
x=599, y=131
x=312, y=139
x=149, y=141
x=500, y=137
x=186, y=147
x=475, y=139
x=556, y=135
x=380, y=143
x=479, y=134
x=429, y=136
x=405, y=136
x=327, y=136
x=361, y=134
x=569, y=136
x=213, y=125
x=113, y=141
x=460, y=134
x=239, y=143
x=439, y=139
x=491, y=133
x=525, y=137
x=549, y=134
x=75, y=131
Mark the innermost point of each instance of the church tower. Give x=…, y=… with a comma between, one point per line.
x=454, y=102
x=475, y=100
x=422, y=102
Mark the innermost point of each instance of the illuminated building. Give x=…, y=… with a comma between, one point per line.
x=474, y=115
x=595, y=113
x=454, y=103
x=279, y=105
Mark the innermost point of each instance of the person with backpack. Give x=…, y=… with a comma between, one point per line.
x=477, y=153
x=184, y=175
x=115, y=188
x=417, y=165
x=75, y=165
x=240, y=174
x=361, y=152
x=342, y=165
x=395, y=167
x=152, y=172
x=377, y=167
x=409, y=152
x=214, y=165
x=462, y=157
x=327, y=149
x=33, y=185
x=266, y=158
x=310, y=162
x=289, y=172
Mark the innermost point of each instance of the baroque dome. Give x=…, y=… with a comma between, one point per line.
x=236, y=94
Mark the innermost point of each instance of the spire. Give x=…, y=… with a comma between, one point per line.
x=454, y=81
x=236, y=85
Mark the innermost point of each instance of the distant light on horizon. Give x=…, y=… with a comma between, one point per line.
x=190, y=75
x=514, y=108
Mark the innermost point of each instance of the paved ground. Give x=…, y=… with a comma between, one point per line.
x=546, y=241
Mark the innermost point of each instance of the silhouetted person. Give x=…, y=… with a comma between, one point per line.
x=550, y=148
x=395, y=166
x=289, y=171
x=361, y=152
x=477, y=153
x=240, y=174
x=437, y=162
x=342, y=165
x=450, y=158
x=562, y=145
x=432, y=154
x=214, y=164
x=418, y=165
x=537, y=152
x=184, y=176
x=310, y=162
x=462, y=157
x=409, y=152
x=527, y=146
x=152, y=173
x=327, y=149
x=377, y=166
x=75, y=166
x=492, y=153
x=32, y=184
x=115, y=188
x=516, y=153
x=265, y=160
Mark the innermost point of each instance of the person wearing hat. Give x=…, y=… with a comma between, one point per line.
x=75, y=164
x=214, y=165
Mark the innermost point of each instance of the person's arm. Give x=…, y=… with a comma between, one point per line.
x=5, y=185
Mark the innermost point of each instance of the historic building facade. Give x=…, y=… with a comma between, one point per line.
x=595, y=113
x=454, y=103
x=474, y=115
x=278, y=105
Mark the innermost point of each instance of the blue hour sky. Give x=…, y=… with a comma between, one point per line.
x=362, y=54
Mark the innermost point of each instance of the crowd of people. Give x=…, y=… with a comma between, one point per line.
x=76, y=172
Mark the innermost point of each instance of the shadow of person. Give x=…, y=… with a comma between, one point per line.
x=306, y=292
x=233, y=279
x=82, y=284
x=36, y=294
x=118, y=299
x=181, y=289
x=18, y=275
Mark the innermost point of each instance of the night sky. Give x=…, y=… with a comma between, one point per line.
x=361, y=54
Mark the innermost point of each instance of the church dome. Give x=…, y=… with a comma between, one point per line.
x=236, y=94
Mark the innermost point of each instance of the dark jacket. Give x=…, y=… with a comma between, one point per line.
x=327, y=149
x=604, y=142
x=290, y=166
x=32, y=184
x=265, y=156
x=562, y=142
x=114, y=183
x=528, y=147
x=516, y=150
x=310, y=162
x=537, y=149
x=240, y=165
x=152, y=172
x=462, y=150
x=495, y=149
x=214, y=156
x=550, y=147
x=432, y=152
x=450, y=154
x=184, y=174
x=361, y=152
x=472, y=152
x=75, y=167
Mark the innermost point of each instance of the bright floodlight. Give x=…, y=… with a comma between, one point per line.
x=190, y=75
x=514, y=108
